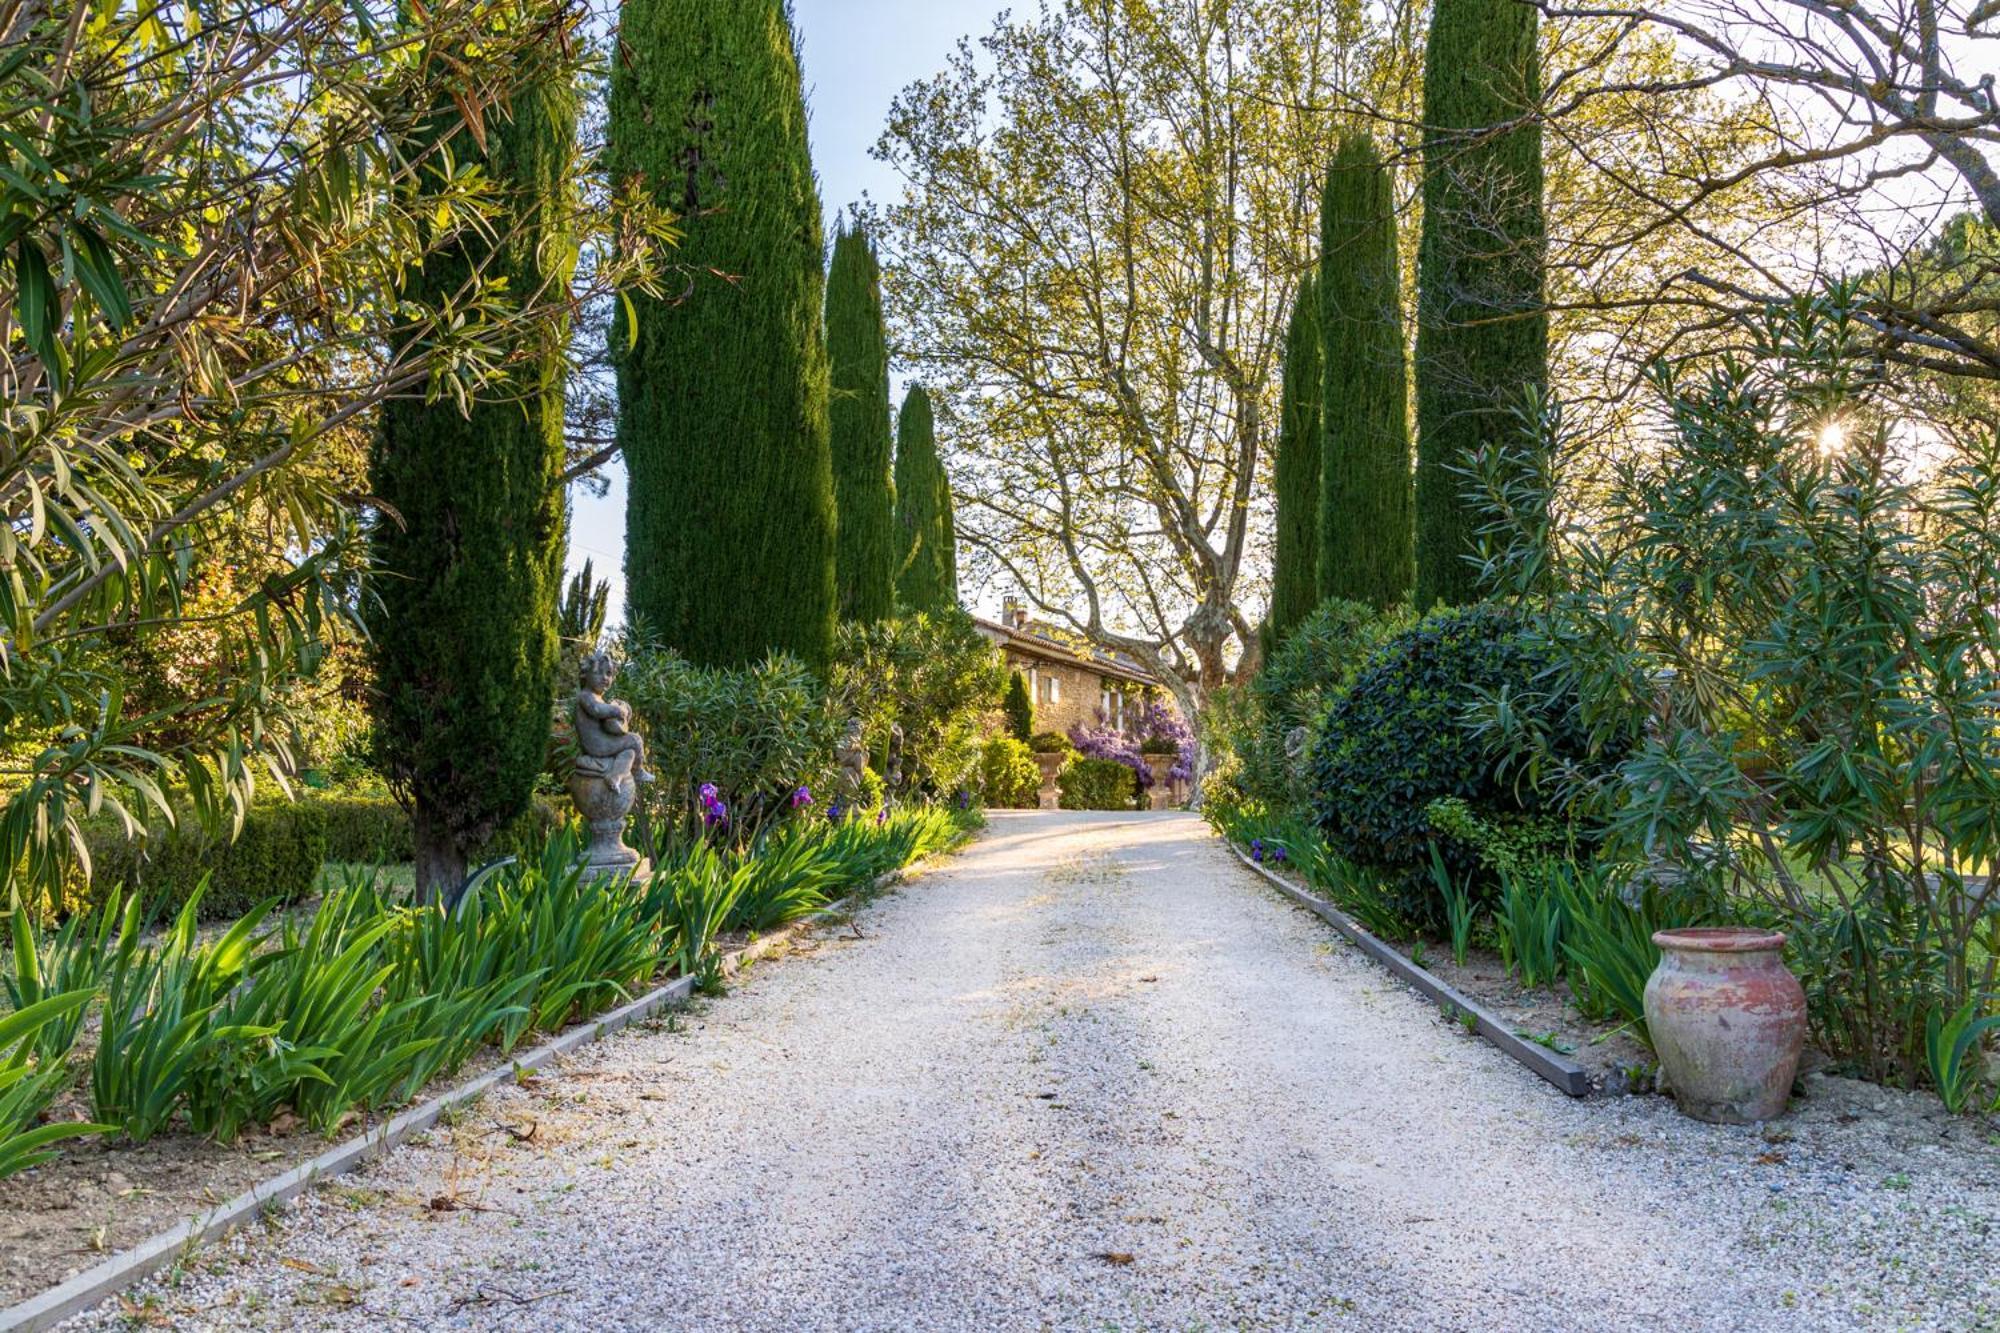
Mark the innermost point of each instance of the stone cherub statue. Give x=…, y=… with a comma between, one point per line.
x=610, y=763
x=852, y=756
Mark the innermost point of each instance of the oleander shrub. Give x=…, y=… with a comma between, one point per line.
x=1010, y=777
x=1097, y=784
x=1405, y=735
x=758, y=733
x=933, y=674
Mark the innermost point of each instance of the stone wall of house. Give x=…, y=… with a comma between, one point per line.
x=1068, y=695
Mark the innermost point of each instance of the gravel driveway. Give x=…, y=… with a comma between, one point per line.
x=1092, y=1074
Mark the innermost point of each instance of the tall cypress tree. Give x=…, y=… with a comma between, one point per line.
x=927, y=571
x=1365, y=525
x=469, y=545
x=729, y=531
x=1295, y=470
x=864, y=496
x=1482, y=321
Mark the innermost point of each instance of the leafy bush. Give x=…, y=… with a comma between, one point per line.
x=1050, y=742
x=1097, y=784
x=932, y=673
x=1402, y=737
x=1010, y=777
x=758, y=733
x=1298, y=683
x=1794, y=580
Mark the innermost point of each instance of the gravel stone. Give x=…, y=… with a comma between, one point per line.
x=1094, y=1074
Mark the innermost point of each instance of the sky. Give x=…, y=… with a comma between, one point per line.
x=858, y=55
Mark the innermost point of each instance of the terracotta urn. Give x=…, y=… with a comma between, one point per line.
x=1728, y=1020
x=1162, y=790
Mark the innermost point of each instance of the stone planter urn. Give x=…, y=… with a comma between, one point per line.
x=1049, y=798
x=1728, y=1020
x=1162, y=790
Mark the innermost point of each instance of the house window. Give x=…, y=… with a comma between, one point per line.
x=1051, y=690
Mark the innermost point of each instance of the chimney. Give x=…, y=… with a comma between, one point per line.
x=1014, y=615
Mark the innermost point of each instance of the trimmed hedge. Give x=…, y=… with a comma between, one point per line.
x=1098, y=784
x=1399, y=739
x=277, y=854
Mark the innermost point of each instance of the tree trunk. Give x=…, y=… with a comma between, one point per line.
x=440, y=860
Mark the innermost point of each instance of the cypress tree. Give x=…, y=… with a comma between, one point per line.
x=927, y=571
x=1482, y=321
x=1365, y=526
x=729, y=530
x=469, y=544
x=1019, y=708
x=864, y=496
x=1295, y=470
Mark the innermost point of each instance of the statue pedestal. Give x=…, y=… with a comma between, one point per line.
x=604, y=806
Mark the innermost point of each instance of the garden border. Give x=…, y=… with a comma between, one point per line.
x=1566, y=1074
x=86, y=1289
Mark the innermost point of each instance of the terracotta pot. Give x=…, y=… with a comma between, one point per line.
x=1728, y=1020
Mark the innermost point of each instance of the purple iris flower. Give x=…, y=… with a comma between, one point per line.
x=802, y=798
x=1257, y=849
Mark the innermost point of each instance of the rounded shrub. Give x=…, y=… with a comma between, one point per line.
x=1010, y=776
x=1401, y=737
x=1097, y=784
x=1050, y=742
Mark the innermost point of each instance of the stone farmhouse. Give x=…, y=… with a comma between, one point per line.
x=1071, y=682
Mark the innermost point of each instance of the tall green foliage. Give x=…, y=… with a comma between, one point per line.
x=1482, y=322
x=1296, y=468
x=927, y=574
x=1365, y=534
x=1019, y=708
x=468, y=550
x=729, y=532
x=864, y=496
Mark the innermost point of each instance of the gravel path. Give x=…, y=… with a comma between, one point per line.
x=1092, y=1074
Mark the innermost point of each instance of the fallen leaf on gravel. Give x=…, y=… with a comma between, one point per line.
x=304, y=1267
x=1770, y=1159
x=443, y=1203
x=1149, y=978
x=1118, y=1257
